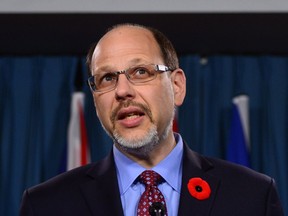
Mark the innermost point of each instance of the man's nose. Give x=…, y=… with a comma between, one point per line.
x=124, y=88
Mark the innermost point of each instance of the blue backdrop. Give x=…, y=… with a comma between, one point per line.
x=35, y=94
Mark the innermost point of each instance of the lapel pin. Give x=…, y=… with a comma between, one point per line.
x=199, y=188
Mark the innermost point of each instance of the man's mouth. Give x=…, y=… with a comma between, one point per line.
x=129, y=115
x=131, y=112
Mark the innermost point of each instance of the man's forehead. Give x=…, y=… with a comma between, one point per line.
x=125, y=32
x=125, y=44
x=125, y=37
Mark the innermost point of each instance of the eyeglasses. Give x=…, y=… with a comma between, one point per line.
x=106, y=81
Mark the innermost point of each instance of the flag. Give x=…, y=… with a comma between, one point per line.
x=78, y=152
x=238, y=149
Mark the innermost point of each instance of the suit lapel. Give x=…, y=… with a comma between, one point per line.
x=195, y=165
x=101, y=190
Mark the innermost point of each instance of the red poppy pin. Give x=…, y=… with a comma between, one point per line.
x=199, y=188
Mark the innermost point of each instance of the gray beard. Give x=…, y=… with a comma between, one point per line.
x=141, y=146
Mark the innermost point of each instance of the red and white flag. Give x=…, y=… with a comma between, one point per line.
x=78, y=152
x=175, y=121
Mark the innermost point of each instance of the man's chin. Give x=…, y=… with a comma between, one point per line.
x=141, y=145
x=136, y=144
x=139, y=151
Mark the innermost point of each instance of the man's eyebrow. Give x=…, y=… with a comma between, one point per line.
x=104, y=69
x=135, y=61
x=131, y=63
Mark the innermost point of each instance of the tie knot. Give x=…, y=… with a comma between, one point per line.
x=150, y=178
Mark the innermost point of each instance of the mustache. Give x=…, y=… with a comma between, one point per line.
x=125, y=104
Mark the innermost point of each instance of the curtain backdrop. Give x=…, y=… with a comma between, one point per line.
x=35, y=96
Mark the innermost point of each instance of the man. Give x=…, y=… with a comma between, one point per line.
x=136, y=83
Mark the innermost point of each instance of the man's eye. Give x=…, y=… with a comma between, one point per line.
x=106, y=80
x=108, y=77
x=141, y=73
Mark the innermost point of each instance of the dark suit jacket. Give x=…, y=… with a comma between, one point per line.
x=93, y=190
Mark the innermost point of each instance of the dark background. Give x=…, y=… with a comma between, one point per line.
x=203, y=33
x=265, y=79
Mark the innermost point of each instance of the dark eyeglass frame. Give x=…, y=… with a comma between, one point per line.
x=157, y=68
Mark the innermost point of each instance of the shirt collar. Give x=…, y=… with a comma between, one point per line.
x=170, y=168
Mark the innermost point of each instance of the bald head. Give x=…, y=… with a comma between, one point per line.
x=136, y=32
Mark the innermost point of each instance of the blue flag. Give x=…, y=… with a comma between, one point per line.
x=237, y=149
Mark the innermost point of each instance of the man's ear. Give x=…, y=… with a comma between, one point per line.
x=178, y=80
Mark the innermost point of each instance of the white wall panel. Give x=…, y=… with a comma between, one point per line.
x=144, y=6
